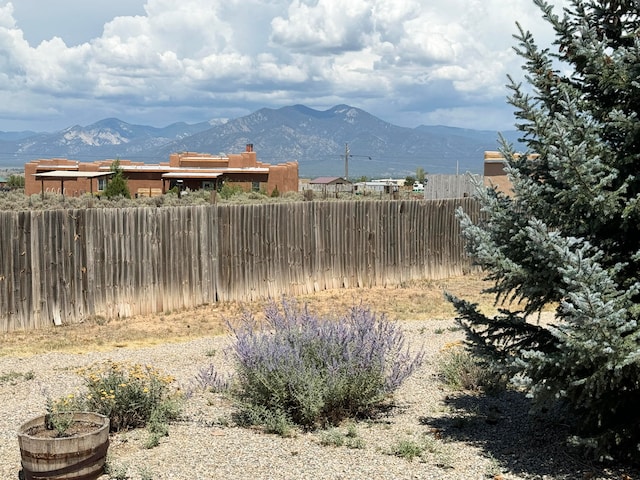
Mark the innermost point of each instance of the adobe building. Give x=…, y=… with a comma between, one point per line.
x=494, y=174
x=194, y=171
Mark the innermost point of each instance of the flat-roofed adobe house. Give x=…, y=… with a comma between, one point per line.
x=191, y=170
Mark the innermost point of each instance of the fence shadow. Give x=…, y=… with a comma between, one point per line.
x=524, y=444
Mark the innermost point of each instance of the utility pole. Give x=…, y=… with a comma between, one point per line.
x=347, y=154
x=346, y=161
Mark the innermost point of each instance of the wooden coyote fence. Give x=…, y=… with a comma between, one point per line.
x=64, y=266
x=450, y=186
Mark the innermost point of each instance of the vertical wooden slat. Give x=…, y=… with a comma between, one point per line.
x=13, y=265
x=156, y=259
x=212, y=239
x=35, y=308
x=262, y=222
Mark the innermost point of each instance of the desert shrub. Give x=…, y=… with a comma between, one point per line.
x=316, y=371
x=228, y=190
x=15, y=181
x=256, y=195
x=408, y=449
x=16, y=200
x=131, y=395
x=13, y=377
x=336, y=438
x=333, y=438
x=460, y=369
x=272, y=420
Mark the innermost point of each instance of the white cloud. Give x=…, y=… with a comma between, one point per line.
x=405, y=60
x=323, y=26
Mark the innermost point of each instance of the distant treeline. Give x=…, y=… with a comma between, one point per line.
x=68, y=265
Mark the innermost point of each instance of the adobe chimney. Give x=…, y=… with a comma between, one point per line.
x=249, y=147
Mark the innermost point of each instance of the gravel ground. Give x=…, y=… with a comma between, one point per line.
x=464, y=436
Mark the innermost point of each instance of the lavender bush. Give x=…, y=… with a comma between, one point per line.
x=314, y=371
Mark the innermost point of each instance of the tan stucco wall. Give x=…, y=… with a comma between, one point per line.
x=494, y=174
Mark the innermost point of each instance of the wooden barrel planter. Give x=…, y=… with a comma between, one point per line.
x=79, y=456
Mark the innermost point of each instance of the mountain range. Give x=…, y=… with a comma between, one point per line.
x=316, y=139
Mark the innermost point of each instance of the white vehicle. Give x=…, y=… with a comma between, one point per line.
x=418, y=187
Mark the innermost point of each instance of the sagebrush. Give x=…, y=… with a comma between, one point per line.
x=314, y=371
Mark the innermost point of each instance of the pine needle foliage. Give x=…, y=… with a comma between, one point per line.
x=569, y=235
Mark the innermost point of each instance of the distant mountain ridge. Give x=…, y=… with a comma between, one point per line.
x=316, y=139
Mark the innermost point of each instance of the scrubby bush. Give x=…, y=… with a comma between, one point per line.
x=131, y=395
x=228, y=190
x=314, y=371
x=15, y=181
x=460, y=369
x=16, y=200
x=408, y=449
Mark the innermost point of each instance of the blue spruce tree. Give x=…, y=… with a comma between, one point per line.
x=568, y=236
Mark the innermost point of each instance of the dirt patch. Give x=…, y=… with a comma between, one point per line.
x=416, y=300
x=75, y=429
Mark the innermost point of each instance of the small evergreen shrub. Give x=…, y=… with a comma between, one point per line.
x=117, y=186
x=316, y=371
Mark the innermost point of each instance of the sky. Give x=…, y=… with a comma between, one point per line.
x=156, y=62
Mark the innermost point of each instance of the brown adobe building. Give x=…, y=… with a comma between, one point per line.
x=191, y=170
x=494, y=174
